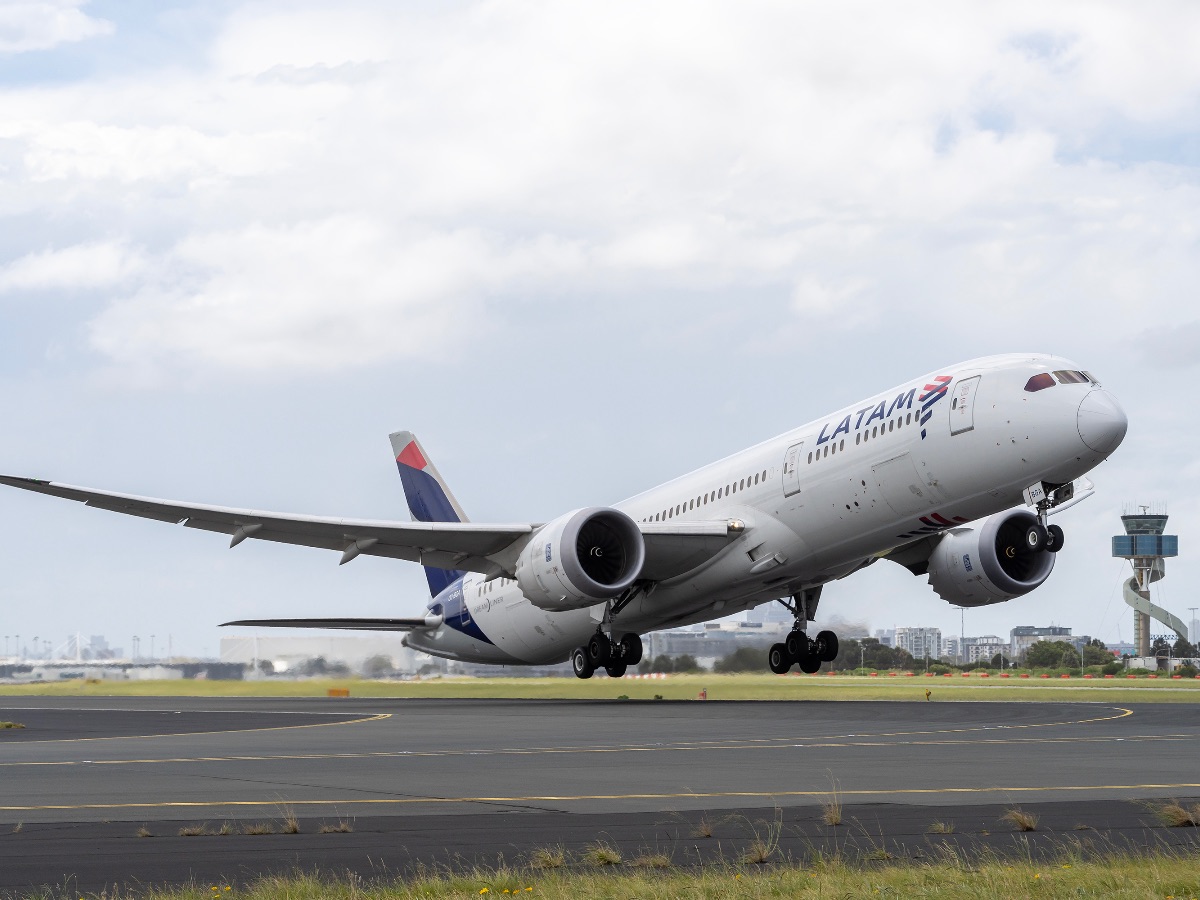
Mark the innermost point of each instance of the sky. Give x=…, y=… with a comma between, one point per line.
x=579, y=249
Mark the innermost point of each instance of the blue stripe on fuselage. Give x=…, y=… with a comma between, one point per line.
x=428, y=503
x=453, y=609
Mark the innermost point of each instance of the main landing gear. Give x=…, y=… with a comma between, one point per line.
x=799, y=649
x=602, y=652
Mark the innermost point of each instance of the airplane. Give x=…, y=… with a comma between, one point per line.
x=952, y=475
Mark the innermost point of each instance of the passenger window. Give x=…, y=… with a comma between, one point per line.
x=875, y=431
x=810, y=457
x=841, y=446
x=909, y=418
x=1039, y=382
x=892, y=425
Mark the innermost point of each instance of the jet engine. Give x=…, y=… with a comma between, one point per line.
x=988, y=564
x=580, y=559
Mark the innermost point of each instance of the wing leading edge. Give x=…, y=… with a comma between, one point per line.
x=671, y=549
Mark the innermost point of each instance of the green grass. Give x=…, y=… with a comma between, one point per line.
x=675, y=687
x=1138, y=877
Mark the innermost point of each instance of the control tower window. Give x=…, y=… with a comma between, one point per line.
x=1039, y=382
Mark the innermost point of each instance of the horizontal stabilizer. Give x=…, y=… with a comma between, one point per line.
x=344, y=624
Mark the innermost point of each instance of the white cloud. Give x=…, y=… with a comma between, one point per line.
x=26, y=26
x=81, y=267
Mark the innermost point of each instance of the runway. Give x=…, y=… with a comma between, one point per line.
x=460, y=781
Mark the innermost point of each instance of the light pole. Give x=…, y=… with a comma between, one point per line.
x=862, y=657
x=151, y=648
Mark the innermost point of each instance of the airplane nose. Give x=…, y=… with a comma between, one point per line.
x=1102, y=422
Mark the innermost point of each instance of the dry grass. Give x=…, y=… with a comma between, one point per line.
x=1174, y=814
x=703, y=828
x=602, y=853
x=1021, y=820
x=198, y=830
x=341, y=826
x=877, y=854
x=290, y=824
x=831, y=808
x=940, y=828
x=11, y=725
x=18, y=828
x=548, y=858
x=144, y=832
x=258, y=828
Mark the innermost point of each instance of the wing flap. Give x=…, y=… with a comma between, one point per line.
x=674, y=548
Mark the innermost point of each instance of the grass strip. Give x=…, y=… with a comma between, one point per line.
x=676, y=687
x=1134, y=876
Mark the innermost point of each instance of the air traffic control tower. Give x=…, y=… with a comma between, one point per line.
x=1147, y=548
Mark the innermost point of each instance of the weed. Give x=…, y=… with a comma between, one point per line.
x=11, y=725
x=18, y=828
x=548, y=858
x=940, y=828
x=290, y=824
x=1021, y=820
x=199, y=830
x=703, y=828
x=602, y=853
x=831, y=808
x=225, y=829
x=1174, y=814
x=765, y=842
x=144, y=832
x=258, y=828
x=877, y=854
x=340, y=827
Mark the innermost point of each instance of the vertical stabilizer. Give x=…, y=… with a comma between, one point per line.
x=429, y=499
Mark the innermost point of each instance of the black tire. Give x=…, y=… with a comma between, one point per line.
x=827, y=646
x=616, y=670
x=630, y=649
x=797, y=646
x=599, y=650
x=1054, y=538
x=778, y=659
x=1035, y=539
x=810, y=665
x=581, y=665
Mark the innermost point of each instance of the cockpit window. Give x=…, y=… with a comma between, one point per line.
x=1039, y=382
x=1065, y=376
x=1092, y=378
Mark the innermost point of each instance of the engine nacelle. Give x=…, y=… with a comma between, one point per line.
x=988, y=564
x=580, y=559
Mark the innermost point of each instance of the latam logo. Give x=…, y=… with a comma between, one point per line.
x=861, y=419
x=548, y=553
x=967, y=561
x=410, y=456
x=933, y=393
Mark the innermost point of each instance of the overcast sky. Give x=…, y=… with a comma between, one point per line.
x=579, y=249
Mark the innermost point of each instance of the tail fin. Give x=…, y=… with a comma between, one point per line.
x=429, y=499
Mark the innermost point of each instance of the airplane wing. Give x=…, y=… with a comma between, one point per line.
x=671, y=548
x=344, y=624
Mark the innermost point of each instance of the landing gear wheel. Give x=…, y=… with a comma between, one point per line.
x=1035, y=538
x=778, y=659
x=827, y=646
x=1054, y=538
x=811, y=664
x=616, y=670
x=581, y=665
x=599, y=650
x=629, y=649
x=797, y=645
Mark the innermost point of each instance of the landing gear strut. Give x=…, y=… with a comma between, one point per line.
x=602, y=652
x=1043, y=536
x=799, y=649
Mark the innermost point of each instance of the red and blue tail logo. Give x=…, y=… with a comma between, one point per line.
x=428, y=498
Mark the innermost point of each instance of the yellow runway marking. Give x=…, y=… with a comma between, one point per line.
x=582, y=798
x=146, y=737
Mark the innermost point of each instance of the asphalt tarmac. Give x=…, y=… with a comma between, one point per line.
x=459, y=783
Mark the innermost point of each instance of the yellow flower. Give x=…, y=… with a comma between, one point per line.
x=1037, y=876
x=483, y=891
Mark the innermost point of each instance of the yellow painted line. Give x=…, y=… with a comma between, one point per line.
x=582, y=798
x=144, y=737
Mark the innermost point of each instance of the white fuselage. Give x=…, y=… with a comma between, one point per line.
x=820, y=502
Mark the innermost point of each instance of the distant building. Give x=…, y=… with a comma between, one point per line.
x=714, y=640
x=288, y=652
x=886, y=636
x=772, y=613
x=984, y=648
x=920, y=642
x=1023, y=637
